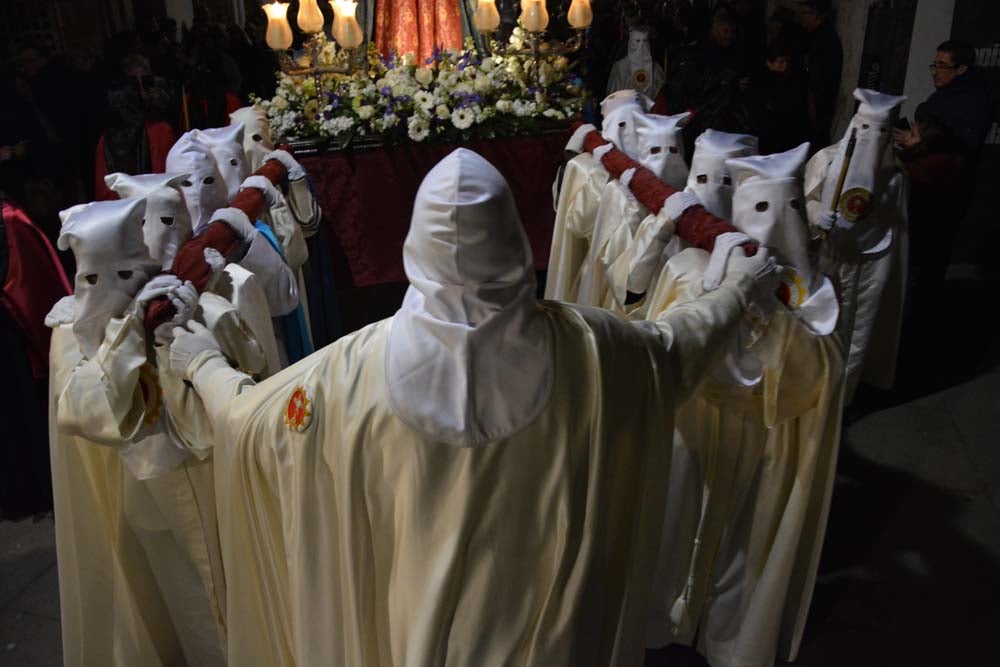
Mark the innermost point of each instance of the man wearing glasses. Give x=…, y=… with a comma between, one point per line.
x=961, y=100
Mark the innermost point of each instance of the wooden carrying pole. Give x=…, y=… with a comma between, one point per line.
x=190, y=262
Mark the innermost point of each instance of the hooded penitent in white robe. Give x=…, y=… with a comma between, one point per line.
x=205, y=192
x=478, y=480
x=140, y=570
x=637, y=70
x=619, y=124
x=753, y=461
x=661, y=147
x=866, y=250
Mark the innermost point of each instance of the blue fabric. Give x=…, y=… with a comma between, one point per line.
x=297, y=341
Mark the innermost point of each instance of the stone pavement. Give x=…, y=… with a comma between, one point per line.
x=911, y=566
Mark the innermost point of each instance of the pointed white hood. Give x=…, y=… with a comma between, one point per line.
x=871, y=125
x=469, y=357
x=226, y=145
x=769, y=206
x=619, y=124
x=204, y=192
x=661, y=146
x=256, y=134
x=710, y=179
x=167, y=223
x=112, y=263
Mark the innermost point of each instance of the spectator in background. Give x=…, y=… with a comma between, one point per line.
x=776, y=101
x=134, y=142
x=782, y=27
x=823, y=66
x=961, y=100
x=935, y=159
x=712, y=83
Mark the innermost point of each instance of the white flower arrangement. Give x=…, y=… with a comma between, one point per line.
x=452, y=96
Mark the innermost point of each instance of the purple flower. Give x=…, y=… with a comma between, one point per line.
x=435, y=56
x=386, y=90
x=327, y=115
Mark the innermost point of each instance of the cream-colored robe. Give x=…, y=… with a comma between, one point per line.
x=765, y=459
x=140, y=566
x=603, y=275
x=576, y=210
x=351, y=539
x=140, y=570
x=868, y=267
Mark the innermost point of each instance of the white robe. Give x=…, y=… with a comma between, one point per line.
x=352, y=539
x=868, y=266
x=603, y=275
x=583, y=182
x=140, y=565
x=759, y=470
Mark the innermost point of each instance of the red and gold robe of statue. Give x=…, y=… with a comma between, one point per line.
x=417, y=26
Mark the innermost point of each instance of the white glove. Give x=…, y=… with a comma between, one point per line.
x=295, y=170
x=157, y=287
x=826, y=220
x=718, y=263
x=188, y=344
x=185, y=302
x=272, y=195
x=64, y=312
x=238, y=221
x=761, y=267
x=216, y=264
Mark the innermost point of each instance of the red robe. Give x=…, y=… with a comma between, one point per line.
x=161, y=138
x=34, y=282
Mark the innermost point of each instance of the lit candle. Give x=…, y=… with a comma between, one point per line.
x=486, y=18
x=534, y=16
x=310, y=18
x=346, y=30
x=580, y=15
x=279, y=33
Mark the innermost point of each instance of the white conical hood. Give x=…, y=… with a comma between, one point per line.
x=167, y=223
x=619, y=125
x=661, y=146
x=768, y=205
x=112, y=263
x=872, y=129
x=256, y=134
x=469, y=355
x=710, y=179
x=226, y=145
x=205, y=191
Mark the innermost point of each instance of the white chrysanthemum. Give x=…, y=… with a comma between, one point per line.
x=418, y=128
x=424, y=75
x=365, y=111
x=463, y=118
x=424, y=99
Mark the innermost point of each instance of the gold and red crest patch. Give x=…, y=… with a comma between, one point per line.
x=297, y=413
x=854, y=204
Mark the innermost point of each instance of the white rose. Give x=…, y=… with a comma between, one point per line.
x=365, y=111
x=424, y=75
x=442, y=112
x=409, y=59
x=280, y=103
x=505, y=106
x=482, y=83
